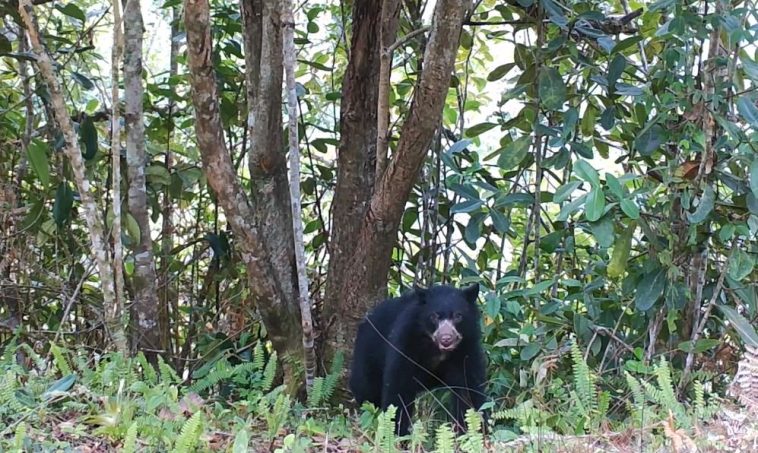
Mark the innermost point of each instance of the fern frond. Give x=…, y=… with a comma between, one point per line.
x=167, y=372
x=418, y=436
x=473, y=440
x=190, y=433
x=269, y=372
x=130, y=440
x=445, y=439
x=60, y=360
x=148, y=372
x=384, y=439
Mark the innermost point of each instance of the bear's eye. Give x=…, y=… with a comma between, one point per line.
x=434, y=317
x=457, y=316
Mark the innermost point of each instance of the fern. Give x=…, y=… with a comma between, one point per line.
x=19, y=438
x=259, y=358
x=316, y=392
x=445, y=439
x=473, y=440
x=418, y=436
x=190, y=433
x=39, y=361
x=130, y=440
x=637, y=407
x=269, y=373
x=8, y=397
x=277, y=415
x=699, y=400
x=384, y=440
x=148, y=372
x=168, y=374
x=583, y=381
x=323, y=387
x=60, y=360
x=221, y=371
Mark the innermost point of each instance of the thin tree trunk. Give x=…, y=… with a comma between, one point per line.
x=306, y=320
x=74, y=154
x=118, y=250
x=388, y=31
x=270, y=269
x=145, y=332
x=167, y=291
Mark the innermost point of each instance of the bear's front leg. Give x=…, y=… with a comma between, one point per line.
x=400, y=389
x=467, y=386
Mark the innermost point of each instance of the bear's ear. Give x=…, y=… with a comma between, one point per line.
x=471, y=293
x=420, y=293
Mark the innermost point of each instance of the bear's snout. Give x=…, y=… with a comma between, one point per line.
x=446, y=336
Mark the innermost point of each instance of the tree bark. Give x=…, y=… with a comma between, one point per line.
x=363, y=280
x=118, y=249
x=86, y=191
x=145, y=332
x=388, y=31
x=263, y=238
x=357, y=150
x=290, y=64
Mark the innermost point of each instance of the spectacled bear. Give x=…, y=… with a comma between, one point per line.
x=425, y=339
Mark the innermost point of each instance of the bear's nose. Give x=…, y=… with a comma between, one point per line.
x=447, y=339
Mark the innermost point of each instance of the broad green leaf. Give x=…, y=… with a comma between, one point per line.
x=614, y=185
x=593, y=208
x=603, y=231
x=458, y=146
x=473, y=229
x=750, y=66
x=746, y=107
x=754, y=176
x=500, y=72
x=615, y=69
x=64, y=201
x=499, y=221
x=466, y=206
x=158, y=174
x=565, y=191
x=630, y=208
x=589, y=120
x=743, y=327
x=707, y=200
x=626, y=43
x=88, y=136
x=650, y=289
x=649, y=140
x=569, y=208
x=514, y=152
x=740, y=266
x=241, y=442
x=83, y=80
x=552, y=90
x=62, y=385
x=71, y=10
x=34, y=215
x=529, y=351
x=37, y=154
x=587, y=172
x=132, y=228
x=700, y=346
x=747, y=293
x=479, y=129
x=551, y=241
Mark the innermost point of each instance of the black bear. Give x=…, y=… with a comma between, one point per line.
x=425, y=339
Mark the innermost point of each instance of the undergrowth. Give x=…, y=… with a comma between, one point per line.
x=67, y=398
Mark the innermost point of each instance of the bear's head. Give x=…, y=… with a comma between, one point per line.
x=448, y=315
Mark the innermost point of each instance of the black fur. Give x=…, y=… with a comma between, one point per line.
x=395, y=357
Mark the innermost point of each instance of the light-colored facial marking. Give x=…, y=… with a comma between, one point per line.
x=446, y=336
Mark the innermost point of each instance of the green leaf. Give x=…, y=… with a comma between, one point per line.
x=552, y=91
x=649, y=140
x=743, y=327
x=132, y=228
x=626, y=43
x=71, y=10
x=500, y=72
x=458, y=146
x=630, y=209
x=614, y=185
x=650, y=289
x=514, y=152
x=750, y=66
x=740, y=266
x=88, y=136
x=564, y=192
x=593, y=208
x=64, y=201
x=705, y=206
x=62, y=385
x=500, y=221
x=603, y=231
x=570, y=208
x=241, y=442
x=746, y=107
x=754, y=176
x=529, y=351
x=587, y=172
x=37, y=154
x=479, y=129
x=589, y=120
x=700, y=346
x=615, y=69
x=5, y=45
x=466, y=206
x=82, y=80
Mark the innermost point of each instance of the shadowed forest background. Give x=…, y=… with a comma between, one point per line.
x=200, y=200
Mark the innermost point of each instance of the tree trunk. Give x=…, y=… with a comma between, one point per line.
x=145, y=334
x=263, y=232
x=74, y=154
x=358, y=278
x=357, y=150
